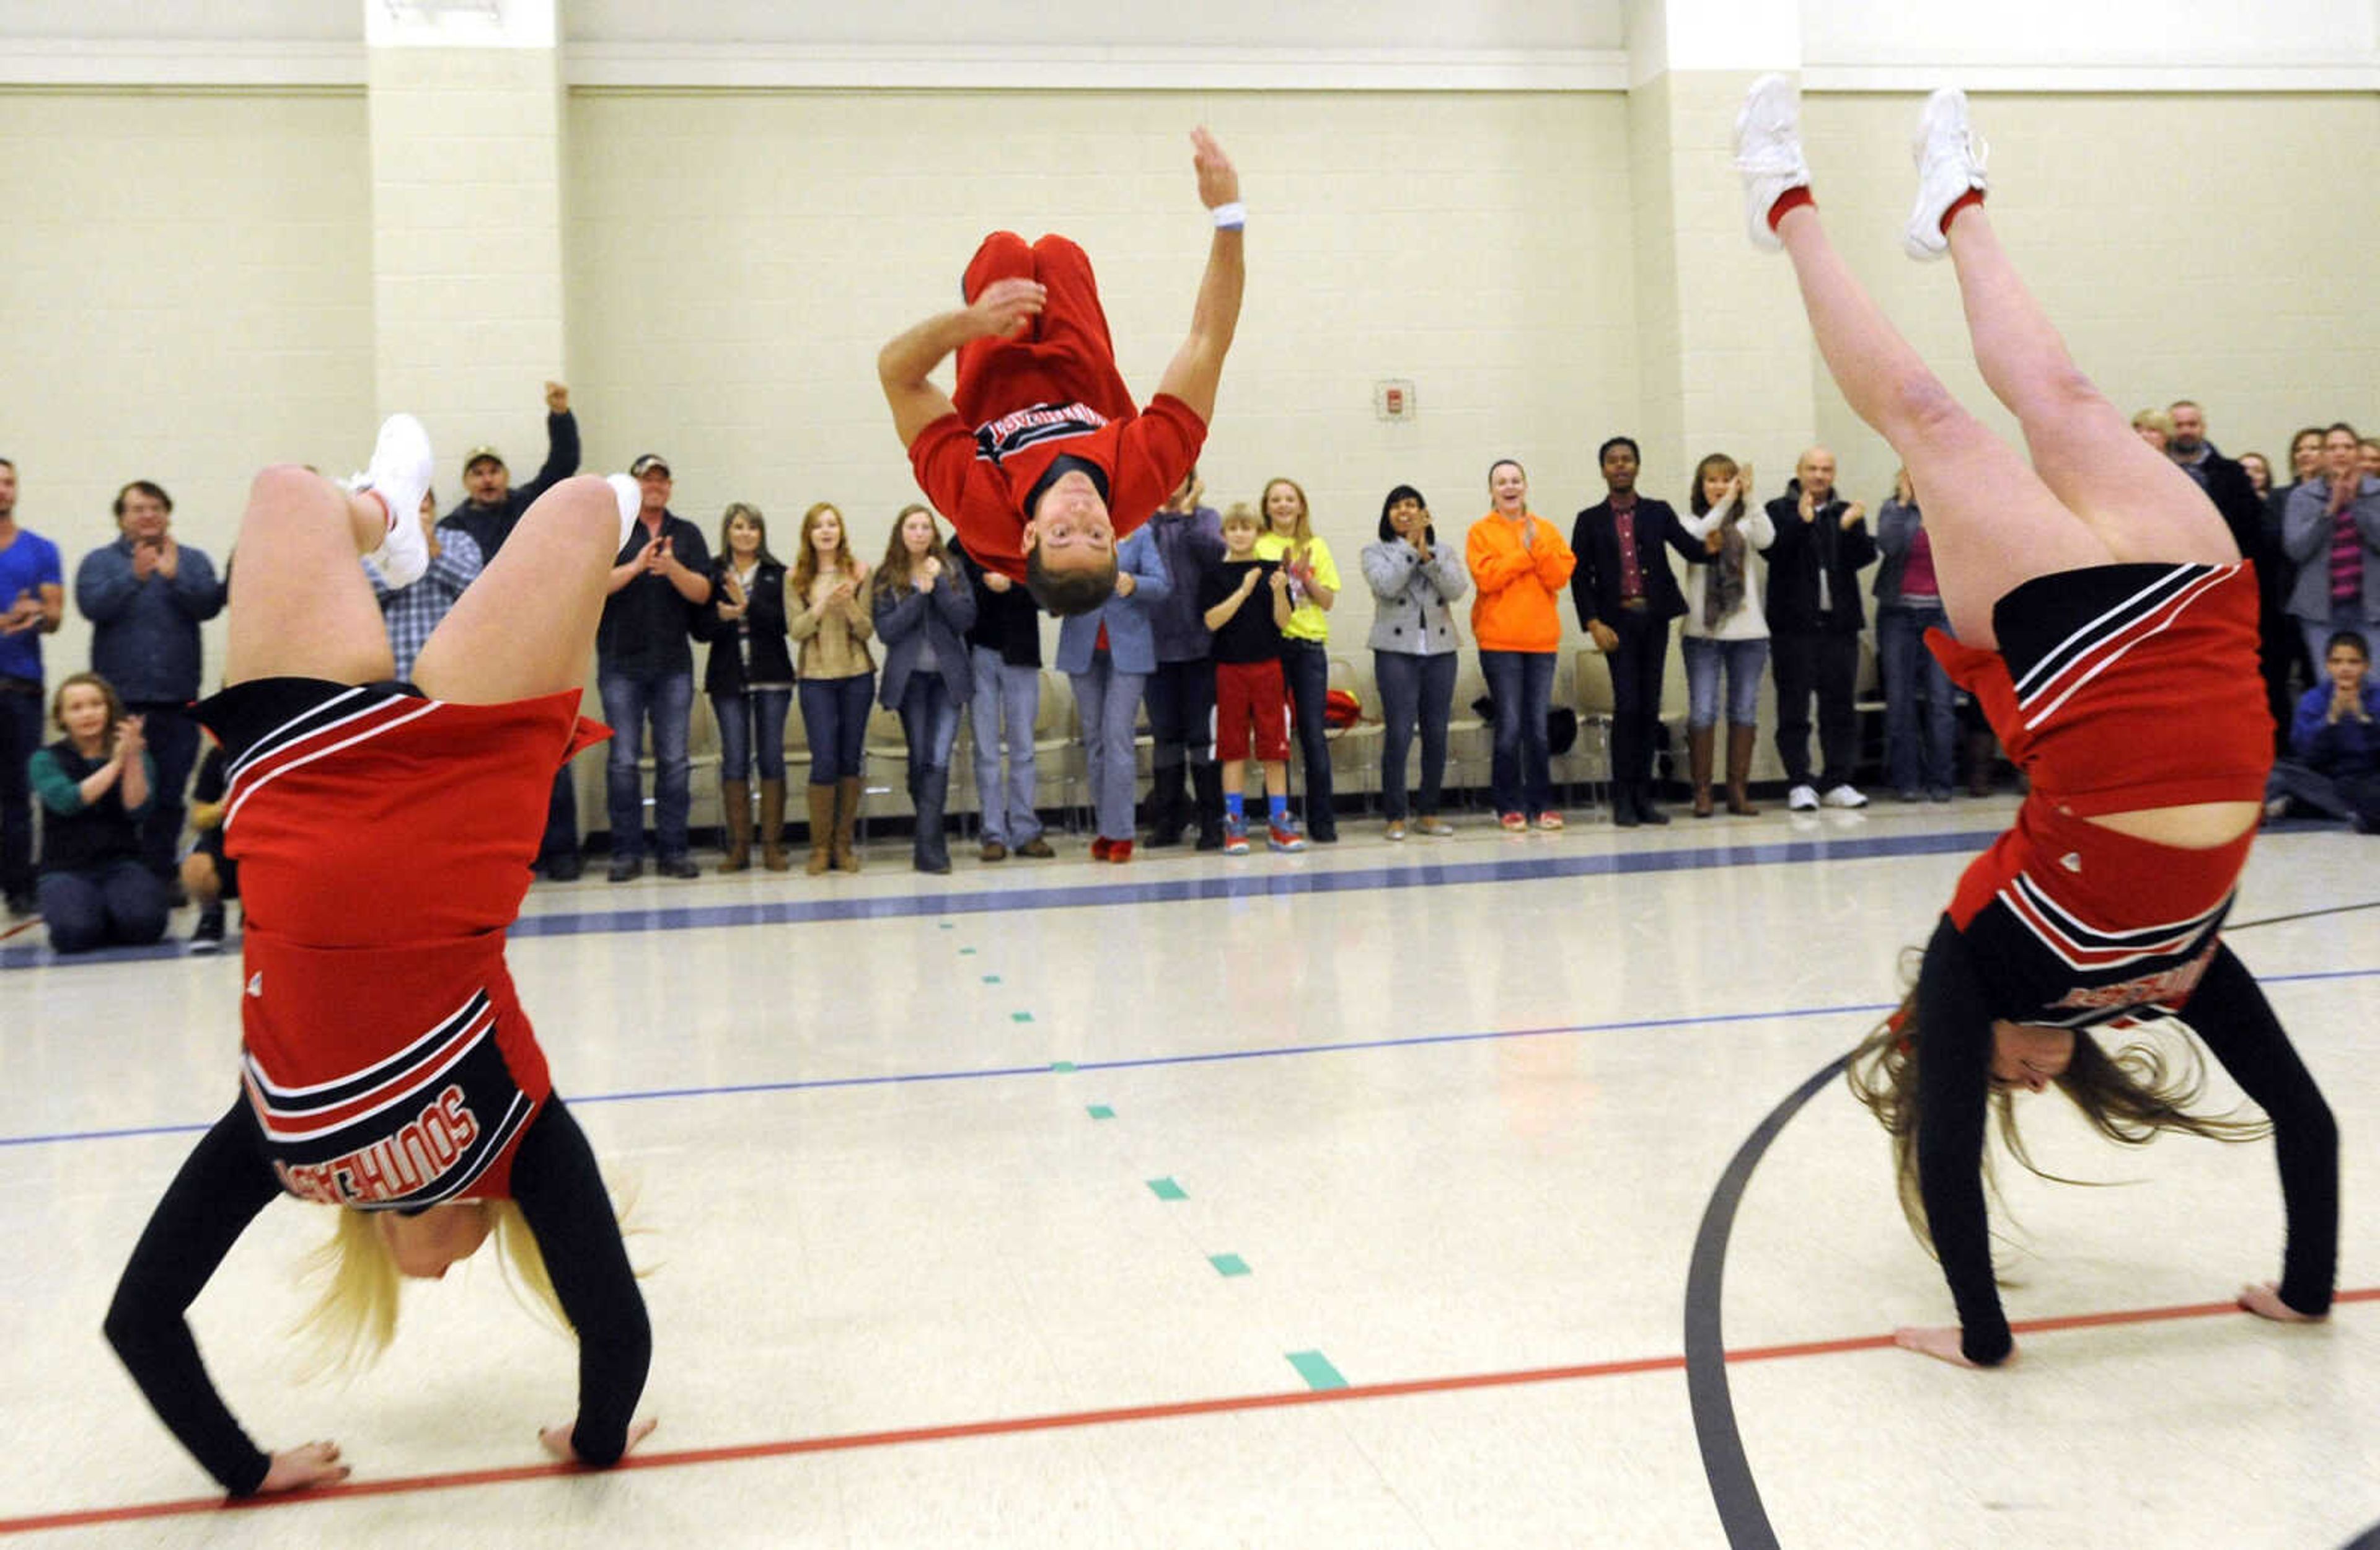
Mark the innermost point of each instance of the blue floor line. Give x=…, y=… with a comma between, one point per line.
x=1267, y=1052
x=1252, y=884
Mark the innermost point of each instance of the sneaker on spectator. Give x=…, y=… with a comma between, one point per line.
x=1938, y=793
x=1120, y=852
x=1396, y=829
x=1803, y=798
x=207, y=936
x=994, y=850
x=1515, y=823
x=1768, y=155
x=23, y=904
x=628, y=869
x=1844, y=796
x=399, y=475
x=678, y=867
x=564, y=866
x=1235, y=835
x=1549, y=820
x=1100, y=848
x=1950, y=157
x=1284, y=833
x=1434, y=827
x=630, y=498
x=1035, y=849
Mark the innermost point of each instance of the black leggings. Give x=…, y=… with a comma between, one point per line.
x=228, y=1180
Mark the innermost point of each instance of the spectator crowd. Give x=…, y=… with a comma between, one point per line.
x=1214, y=646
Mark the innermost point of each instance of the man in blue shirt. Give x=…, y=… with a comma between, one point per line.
x=32, y=601
x=145, y=596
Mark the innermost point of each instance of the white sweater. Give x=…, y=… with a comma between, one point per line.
x=1746, y=623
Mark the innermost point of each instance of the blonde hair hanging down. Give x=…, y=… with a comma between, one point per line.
x=352, y=1323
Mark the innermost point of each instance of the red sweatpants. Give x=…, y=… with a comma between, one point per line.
x=1066, y=357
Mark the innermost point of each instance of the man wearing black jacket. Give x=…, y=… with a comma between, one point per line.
x=1626, y=596
x=490, y=509
x=2226, y=484
x=1815, y=620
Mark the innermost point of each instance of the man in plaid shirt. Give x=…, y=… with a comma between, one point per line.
x=411, y=612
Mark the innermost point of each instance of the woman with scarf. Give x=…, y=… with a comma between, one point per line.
x=1724, y=627
x=1909, y=603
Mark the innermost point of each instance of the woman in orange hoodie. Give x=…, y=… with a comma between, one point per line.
x=1520, y=564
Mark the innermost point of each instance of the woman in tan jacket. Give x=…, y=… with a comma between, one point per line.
x=827, y=612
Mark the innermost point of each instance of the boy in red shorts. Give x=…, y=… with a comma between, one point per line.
x=1250, y=702
x=1039, y=458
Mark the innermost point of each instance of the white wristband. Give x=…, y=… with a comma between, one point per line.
x=1230, y=217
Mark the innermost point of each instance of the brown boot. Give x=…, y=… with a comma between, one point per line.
x=1739, y=770
x=736, y=816
x=821, y=828
x=846, y=818
x=773, y=824
x=1698, y=757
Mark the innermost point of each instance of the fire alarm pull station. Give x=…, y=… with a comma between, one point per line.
x=1393, y=399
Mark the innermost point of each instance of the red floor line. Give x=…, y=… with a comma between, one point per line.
x=1170, y=1410
x=20, y=928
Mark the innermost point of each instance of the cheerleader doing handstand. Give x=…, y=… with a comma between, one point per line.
x=2108, y=627
x=384, y=833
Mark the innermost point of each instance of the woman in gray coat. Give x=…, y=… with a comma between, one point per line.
x=1413, y=581
x=2330, y=531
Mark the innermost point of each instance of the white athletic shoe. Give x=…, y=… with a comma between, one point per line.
x=1802, y=799
x=1846, y=796
x=1950, y=157
x=399, y=475
x=631, y=498
x=1768, y=154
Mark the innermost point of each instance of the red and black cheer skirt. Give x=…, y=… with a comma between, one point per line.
x=384, y=843
x=2116, y=688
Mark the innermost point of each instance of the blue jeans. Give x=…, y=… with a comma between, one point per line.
x=1111, y=707
x=1910, y=671
x=834, y=719
x=1007, y=701
x=929, y=721
x=752, y=724
x=1744, y=661
x=119, y=901
x=1305, y=671
x=20, y=738
x=172, y=734
x=561, y=820
x=1522, y=683
x=628, y=704
x=2355, y=797
x=1415, y=690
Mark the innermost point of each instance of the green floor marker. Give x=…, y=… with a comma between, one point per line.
x=1101, y=1112
x=991, y=979
x=946, y=926
x=1062, y=1065
x=1233, y=1265
x=967, y=953
x=1316, y=1369
x=1166, y=1189
x=1020, y=1017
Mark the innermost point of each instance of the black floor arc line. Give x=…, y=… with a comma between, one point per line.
x=2368, y=1540
x=1733, y=1491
